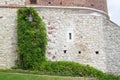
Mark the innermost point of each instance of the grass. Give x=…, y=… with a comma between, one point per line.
x=18, y=76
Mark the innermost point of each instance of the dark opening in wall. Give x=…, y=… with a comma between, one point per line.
x=53, y=57
x=33, y=1
x=70, y=36
x=1, y=17
x=60, y=3
x=97, y=52
x=49, y=2
x=79, y=52
x=65, y=51
x=92, y=4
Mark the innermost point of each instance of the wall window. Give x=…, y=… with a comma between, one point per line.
x=79, y=52
x=33, y=1
x=97, y=52
x=70, y=36
x=65, y=51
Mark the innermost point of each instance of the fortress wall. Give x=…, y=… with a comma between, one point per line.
x=86, y=43
x=8, y=37
x=112, y=46
x=74, y=34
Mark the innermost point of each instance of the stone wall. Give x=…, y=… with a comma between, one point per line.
x=9, y=3
x=74, y=34
x=8, y=37
x=112, y=46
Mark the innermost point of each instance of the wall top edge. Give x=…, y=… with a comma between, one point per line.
x=60, y=7
x=71, y=7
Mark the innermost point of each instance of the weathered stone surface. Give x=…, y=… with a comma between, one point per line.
x=76, y=34
x=112, y=46
x=8, y=37
x=12, y=2
x=86, y=28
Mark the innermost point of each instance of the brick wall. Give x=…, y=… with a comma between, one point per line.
x=97, y=4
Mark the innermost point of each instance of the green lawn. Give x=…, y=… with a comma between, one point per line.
x=9, y=76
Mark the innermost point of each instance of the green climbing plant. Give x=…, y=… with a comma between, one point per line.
x=32, y=38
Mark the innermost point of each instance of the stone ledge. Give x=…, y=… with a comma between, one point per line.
x=11, y=6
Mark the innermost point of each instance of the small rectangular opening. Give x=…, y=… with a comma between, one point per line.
x=33, y=1
x=97, y=52
x=65, y=51
x=79, y=52
x=70, y=36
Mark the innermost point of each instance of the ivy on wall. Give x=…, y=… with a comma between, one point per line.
x=32, y=38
